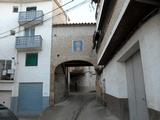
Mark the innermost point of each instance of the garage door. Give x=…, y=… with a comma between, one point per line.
x=30, y=98
x=5, y=98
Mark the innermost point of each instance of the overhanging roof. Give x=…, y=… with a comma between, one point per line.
x=135, y=14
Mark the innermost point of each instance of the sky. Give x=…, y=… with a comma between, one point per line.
x=83, y=13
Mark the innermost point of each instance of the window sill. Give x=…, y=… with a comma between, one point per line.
x=7, y=81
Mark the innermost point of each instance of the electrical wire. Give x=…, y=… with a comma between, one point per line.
x=38, y=17
x=75, y=6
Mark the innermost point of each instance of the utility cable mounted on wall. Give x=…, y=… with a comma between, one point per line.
x=75, y=6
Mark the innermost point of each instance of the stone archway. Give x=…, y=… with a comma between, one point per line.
x=58, y=67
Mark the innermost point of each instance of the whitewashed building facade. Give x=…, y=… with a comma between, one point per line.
x=127, y=44
x=25, y=50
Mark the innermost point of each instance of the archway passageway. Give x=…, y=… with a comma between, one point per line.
x=74, y=93
x=73, y=77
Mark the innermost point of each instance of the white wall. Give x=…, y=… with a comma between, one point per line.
x=150, y=50
x=8, y=20
x=114, y=73
x=41, y=73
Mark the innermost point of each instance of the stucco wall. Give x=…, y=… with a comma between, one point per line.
x=149, y=44
x=115, y=75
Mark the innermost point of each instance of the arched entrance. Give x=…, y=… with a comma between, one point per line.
x=67, y=77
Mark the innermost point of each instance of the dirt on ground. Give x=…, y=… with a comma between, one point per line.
x=79, y=106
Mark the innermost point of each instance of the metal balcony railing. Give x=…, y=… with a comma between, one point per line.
x=30, y=18
x=28, y=43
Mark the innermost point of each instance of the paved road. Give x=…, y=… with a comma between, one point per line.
x=78, y=107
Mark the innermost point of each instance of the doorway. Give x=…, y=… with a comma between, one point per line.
x=136, y=88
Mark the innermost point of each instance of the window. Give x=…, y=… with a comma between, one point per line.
x=77, y=46
x=31, y=59
x=15, y=9
x=31, y=8
x=6, y=71
x=30, y=31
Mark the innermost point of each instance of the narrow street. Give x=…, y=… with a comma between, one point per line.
x=79, y=106
x=80, y=59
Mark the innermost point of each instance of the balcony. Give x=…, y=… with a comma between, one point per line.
x=30, y=18
x=29, y=43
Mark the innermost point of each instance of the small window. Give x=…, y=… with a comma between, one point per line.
x=77, y=46
x=15, y=9
x=31, y=8
x=31, y=59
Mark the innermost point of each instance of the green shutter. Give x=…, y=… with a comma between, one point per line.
x=31, y=59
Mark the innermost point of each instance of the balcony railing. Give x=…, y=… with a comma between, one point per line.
x=28, y=18
x=29, y=43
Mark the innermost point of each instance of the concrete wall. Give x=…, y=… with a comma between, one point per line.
x=40, y=73
x=147, y=39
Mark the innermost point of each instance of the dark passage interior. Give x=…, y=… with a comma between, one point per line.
x=74, y=76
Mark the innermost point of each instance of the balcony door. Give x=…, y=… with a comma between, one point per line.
x=30, y=31
x=31, y=11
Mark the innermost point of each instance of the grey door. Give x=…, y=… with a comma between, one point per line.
x=136, y=89
x=30, y=98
